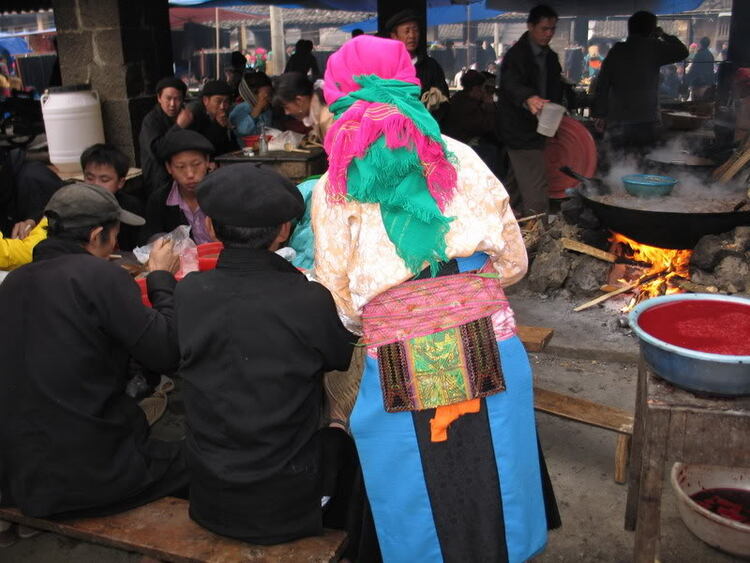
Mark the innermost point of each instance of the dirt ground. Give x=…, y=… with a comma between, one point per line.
x=580, y=458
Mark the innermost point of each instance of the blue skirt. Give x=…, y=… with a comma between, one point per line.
x=476, y=497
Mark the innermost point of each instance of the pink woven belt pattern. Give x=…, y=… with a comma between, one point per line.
x=422, y=307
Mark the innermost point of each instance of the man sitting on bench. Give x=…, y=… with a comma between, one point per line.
x=255, y=339
x=72, y=443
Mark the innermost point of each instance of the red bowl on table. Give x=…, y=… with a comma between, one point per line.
x=253, y=141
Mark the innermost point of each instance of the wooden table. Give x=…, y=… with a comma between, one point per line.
x=676, y=425
x=294, y=165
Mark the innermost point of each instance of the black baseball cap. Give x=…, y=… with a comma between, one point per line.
x=86, y=205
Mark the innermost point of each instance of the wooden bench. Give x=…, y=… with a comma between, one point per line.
x=163, y=530
x=593, y=414
x=535, y=339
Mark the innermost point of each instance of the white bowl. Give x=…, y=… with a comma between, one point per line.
x=728, y=535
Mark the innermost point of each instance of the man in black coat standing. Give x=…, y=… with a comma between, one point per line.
x=255, y=338
x=72, y=442
x=627, y=88
x=530, y=76
x=170, y=95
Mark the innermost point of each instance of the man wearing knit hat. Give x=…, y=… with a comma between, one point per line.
x=170, y=94
x=255, y=339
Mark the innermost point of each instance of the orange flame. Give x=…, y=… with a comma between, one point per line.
x=665, y=261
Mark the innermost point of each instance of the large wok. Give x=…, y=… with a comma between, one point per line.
x=660, y=228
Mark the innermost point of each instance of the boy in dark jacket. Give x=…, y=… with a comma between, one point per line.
x=186, y=155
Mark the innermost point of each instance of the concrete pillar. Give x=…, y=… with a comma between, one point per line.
x=278, y=45
x=122, y=48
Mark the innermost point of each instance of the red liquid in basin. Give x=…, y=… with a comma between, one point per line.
x=716, y=327
x=729, y=503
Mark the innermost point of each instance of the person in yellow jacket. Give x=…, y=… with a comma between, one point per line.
x=15, y=252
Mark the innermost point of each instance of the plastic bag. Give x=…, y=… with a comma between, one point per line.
x=278, y=141
x=183, y=246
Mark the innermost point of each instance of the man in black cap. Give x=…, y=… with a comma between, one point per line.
x=209, y=116
x=170, y=94
x=186, y=155
x=255, y=339
x=72, y=443
x=405, y=27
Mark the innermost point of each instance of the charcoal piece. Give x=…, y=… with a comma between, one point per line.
x=706, y=254
x=598, y=238
x=571, y=209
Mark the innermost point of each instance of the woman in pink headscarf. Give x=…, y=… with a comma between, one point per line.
x=415, y=239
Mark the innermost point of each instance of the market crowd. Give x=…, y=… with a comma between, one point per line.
x=431, y=451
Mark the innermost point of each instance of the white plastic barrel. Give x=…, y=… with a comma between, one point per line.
x=73, y=121
x=549, y=119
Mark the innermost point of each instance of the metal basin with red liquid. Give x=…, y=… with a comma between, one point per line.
x=692, y=369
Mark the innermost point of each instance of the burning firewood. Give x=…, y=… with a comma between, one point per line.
x=576, y=246
x=624, y=289
x=691, y=287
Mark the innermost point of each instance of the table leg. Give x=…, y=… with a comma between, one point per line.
x=636, y=449
x=648, y=522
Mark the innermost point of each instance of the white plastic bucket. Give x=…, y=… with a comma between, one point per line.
x=549, y=119
x=73, y=122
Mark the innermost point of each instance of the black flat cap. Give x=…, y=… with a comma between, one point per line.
x=171, y=82
x=402, y=17
x=217, y=88
x=180, y=140
x=249, y=195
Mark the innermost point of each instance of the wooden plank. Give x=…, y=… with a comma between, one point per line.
x=535, y=338
x=163, y=530
x=577, y=246
x=582, y=410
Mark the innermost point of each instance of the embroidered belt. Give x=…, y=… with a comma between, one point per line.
x=436, y=340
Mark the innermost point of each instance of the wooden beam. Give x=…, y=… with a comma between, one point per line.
x=163, y=530
x=535, y=338
x=581, y=410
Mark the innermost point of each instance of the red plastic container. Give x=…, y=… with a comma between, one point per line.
x=253, y=141
x=210, y=248
x=144, y=291
x=208, y=255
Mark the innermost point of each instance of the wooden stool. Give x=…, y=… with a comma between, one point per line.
x=675, y=425
x=163, y=530
x=593, y=414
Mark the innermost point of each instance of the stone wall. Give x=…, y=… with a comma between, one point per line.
x=120, y=47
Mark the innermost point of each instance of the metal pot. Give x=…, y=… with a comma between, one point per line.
x=714, y=374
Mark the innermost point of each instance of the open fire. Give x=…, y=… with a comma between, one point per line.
x=667, y=271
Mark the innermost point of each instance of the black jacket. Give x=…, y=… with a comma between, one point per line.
x=255, y=339
x=519, y=80
x=222, y=138
x=70, y=438
x=627, y=87
x=431, y=75
x=160, y=217
x=155, y=125
x=129, y=236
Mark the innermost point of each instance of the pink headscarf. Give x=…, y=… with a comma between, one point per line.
x=354, y=132
x=366, y=54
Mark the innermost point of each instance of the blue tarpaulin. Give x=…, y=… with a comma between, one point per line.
x=14, y=45
x=564, y=7
x=600, y=7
